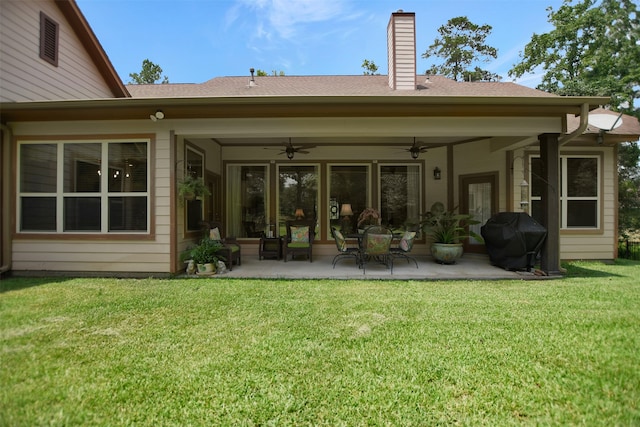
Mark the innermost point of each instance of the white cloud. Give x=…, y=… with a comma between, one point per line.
x=286, y=18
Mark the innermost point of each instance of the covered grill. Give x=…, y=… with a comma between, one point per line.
x=513, y=240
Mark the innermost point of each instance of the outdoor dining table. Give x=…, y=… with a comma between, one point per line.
x=360, y=236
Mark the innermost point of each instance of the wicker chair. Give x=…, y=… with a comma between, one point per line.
x=299, y=240
x=231, y=250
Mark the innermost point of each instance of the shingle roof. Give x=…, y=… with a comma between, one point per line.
x=330, y=86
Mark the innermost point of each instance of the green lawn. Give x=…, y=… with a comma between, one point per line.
x=286, y=352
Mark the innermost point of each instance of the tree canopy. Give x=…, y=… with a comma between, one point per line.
x=262, y=73
x=370, y=68
x=461, y=45
x=149, y=74
x=593, y=51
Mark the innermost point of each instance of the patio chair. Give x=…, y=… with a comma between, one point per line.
x=376, y=247
x=344, y=251
x=404, y=247
x=231, y=250
x=299, y=240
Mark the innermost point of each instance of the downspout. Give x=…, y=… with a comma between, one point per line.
x=584, y=122
x=5, y=159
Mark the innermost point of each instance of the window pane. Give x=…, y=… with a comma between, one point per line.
x=38, y=214
x=536, y=210
x=195, y=163
x=348, y=185
x=298, y=187
x=82, y=168
x=127, y=167
x=582, y=177
x=480, y=196
x=400, y=196
x=582, y=213
x=246, y=201
x=82, y=214
x=38, y=168
x=535, y=168
x=194, y=214
x=127, y=213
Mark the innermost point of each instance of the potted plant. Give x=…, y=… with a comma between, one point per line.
x=446, y=230
x=367, y=217
x=204, y=254
x=192, y=187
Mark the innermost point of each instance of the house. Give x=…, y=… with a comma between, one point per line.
x=90, y=167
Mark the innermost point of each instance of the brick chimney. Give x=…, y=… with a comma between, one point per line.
x=401, y=50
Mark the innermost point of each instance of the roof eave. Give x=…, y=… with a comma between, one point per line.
x=296, y=106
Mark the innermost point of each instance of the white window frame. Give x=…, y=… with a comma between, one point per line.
x=564, y=199
x=231, y=196
x=369, y=194
x=104, y=193
x=420, y=167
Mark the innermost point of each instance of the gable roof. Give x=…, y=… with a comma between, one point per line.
x=94, y=49
x=360, y=85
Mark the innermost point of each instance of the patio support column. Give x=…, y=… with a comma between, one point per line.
x=550, y=164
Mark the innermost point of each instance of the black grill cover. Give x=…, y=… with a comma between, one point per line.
x=513, y=240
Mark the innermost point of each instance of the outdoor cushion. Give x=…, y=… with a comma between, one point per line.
x=300, y=235
x=340, y=240
x=404, y=242
x=378, y=243
x=298, y=245
x=214, y=234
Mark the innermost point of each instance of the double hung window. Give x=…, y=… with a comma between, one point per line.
x=579, y=191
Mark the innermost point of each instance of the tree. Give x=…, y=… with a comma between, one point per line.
x=593, y=51
x=370, y=68
x=262, y=73
x=628, y=188
x=461, y=44
x=149, y=75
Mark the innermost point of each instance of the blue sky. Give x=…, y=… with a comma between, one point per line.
x=196, y=40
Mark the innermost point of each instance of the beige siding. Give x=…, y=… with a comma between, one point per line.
x=142, y=255
x=402, y=52
x=24, y=76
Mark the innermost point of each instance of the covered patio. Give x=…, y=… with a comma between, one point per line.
x=469, y=267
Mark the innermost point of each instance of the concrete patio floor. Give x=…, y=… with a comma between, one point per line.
x=469, y=267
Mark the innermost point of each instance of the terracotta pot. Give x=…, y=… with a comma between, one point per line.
x=446, y=253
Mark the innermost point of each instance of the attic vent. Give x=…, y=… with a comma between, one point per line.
x=48, y=39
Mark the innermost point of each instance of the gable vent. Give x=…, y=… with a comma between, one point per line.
x=48, y=39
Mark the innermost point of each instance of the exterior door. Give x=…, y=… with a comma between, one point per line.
x=478, y=197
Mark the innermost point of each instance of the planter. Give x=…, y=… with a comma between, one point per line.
x=446, y=253
x=207, y=268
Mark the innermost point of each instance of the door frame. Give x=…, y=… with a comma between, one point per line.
x=463, y=184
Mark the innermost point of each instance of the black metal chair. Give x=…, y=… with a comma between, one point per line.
x=376, y=246
x=344, y=250
x=404, y=247
x=299, y=240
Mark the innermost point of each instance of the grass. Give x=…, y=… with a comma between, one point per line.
x=285, y=352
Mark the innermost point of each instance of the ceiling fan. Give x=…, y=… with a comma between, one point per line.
x=416, y=149
x=290, y=150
